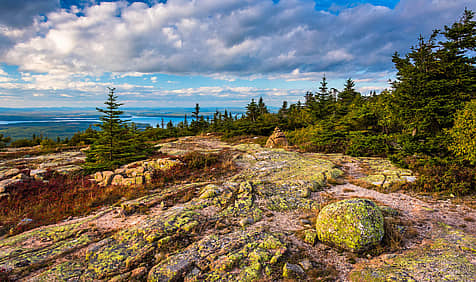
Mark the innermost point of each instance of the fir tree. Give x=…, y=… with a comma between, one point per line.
x=252, y=110
x=116, y=143
x=262, y=109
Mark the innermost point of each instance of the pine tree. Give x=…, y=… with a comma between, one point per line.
x=116, y=143
x=252, y=111
x=196, y=112
x=346, y=97
x=323, y=94
x=262, y=109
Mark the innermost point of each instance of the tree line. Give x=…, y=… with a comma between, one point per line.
x=426, y=121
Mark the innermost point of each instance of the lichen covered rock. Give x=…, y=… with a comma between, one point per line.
x=449, y=256
x=354, y=225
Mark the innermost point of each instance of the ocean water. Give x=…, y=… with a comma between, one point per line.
x=152, y=121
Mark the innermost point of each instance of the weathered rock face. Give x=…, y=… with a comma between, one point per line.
x=449, y=256
x=354, y=225
x=255, y=225
x=277, y=139
x=137, y=173
x=35, y=167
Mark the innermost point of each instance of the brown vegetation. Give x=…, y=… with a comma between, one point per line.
x=34, y=203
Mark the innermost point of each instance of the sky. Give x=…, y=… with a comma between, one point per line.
x=175, y=53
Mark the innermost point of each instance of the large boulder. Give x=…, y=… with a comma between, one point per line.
x=354, y=225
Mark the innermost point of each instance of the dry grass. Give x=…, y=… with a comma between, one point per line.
x=66, y=195
x=59, y=198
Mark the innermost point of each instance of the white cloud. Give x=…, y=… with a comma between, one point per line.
x=227, y=37
x=4, y=79
x=68, y=51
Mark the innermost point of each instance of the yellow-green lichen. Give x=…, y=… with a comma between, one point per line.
x=444, y=259
x=354, y=224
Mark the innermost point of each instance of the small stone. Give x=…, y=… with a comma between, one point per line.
x=305, y=221
x=246, y=221
x=305, y=264
x=107, y=177
x=98, y=176
x=310, y=236
x=305, y=193
x=293, y=271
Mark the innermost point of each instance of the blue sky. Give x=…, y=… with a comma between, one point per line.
x=214, y=52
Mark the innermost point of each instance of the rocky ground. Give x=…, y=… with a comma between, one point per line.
x=258, y=224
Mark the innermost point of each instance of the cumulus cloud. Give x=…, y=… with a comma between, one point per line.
x=20, y=13
x=68, y=49
x=226, y=37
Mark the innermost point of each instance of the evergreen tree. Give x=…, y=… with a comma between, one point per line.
x=346, y=97
x=195, y=124
x=116, y=143
x=323, y=90
x=196, y=112
x=252, y=111
x=435, y=79
x=262, y=109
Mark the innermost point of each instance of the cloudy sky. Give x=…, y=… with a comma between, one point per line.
x=167, y=53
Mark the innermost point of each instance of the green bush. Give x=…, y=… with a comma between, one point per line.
x=438, y=175
x=463, y=133
x=363, y=145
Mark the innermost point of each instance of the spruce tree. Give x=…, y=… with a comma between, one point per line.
x=262, y=109
x=116, y=143
x=252, y=110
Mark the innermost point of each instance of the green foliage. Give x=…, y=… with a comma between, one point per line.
x=362, y=144
x=438, y=175
x=116, y=143
x=435, y=79
x=463, y=133
x=4, y=141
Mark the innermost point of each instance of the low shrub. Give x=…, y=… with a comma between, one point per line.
x=437, y=175
x=196, y=160
x=60, y=197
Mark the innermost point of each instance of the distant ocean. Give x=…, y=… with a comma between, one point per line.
x=143, y=120
x=65, y=122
